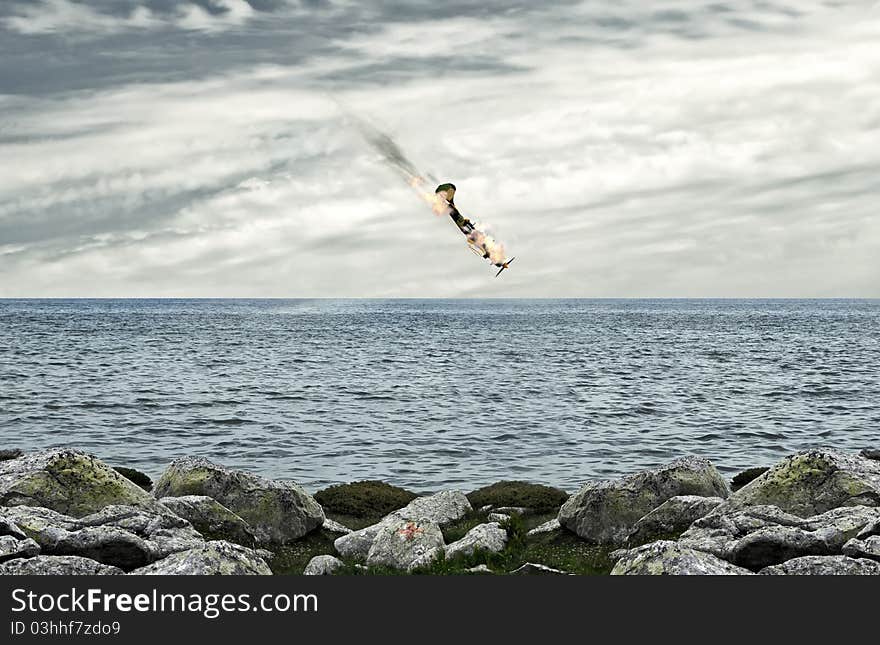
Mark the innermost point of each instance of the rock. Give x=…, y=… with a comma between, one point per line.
x=322, y=565
x=210, y=518
x=837, y=526
x=773, y=545
x=136, y=477
x=406, y=544
x=57, y=565
x=486, y=508
x=498, y=517
x=487, y=537
x=480, y=568
x=335, y=527
x=867, y=548
x=741, y=479
x=121, y=536
x=670, y=558
x=278, y=512
x=870, y=453
x=824, y=565
x=8, y=527
x=10, y=453
x=870, y=529
x=217, y=557
x=535, y=569
x=514, y=510
x=12, y=547
x=546, y=527
x=67, y=481
x=814, y=481
x=441, y=508
x=604, y=512
x=671, y=518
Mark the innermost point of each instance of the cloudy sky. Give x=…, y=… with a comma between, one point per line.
x=618, y=148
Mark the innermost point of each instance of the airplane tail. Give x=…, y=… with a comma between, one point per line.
x=504, y=265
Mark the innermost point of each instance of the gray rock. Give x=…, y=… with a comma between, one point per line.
x=406, y=544
x=535, y=569
x=773, y=545
x=604, y=512
x=486, y=508
x=824, y=565
x=498, y=517
x=870, y=453
x=870, y=529
x=67, y=481
x=488, y=537
x=57, y=565
x=671, y=518
x=278, y=512
x=12, y=547
x=480, y=568
x=867, y=548
x=814, y=481
x=8, y=527
x=10, y=453
x=670, y=558
x=440, y=508
x=213, y=558
x=837, y=526
x=335, y=527
x=210, y=518
x=513, y=510
x=546, y=527
x=718, y=531
x=122, y=536
x=322, y=565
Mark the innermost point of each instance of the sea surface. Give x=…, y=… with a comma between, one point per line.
x=429, y=394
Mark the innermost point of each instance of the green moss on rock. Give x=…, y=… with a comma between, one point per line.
x=537, y=497
x=363, y=499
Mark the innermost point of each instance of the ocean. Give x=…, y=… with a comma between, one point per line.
x=429, y=394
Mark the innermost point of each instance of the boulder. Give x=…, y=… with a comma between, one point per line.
x=406, y=544
x=546, y=527
x=718, y=531
x=213, y=558
x=824, y=565
x=335, y=527
x=278, y=512
x=605, y=512
x=322, y=565
x=13, y=547
x=837, y=526
x=487, y=537
x=67, y=481
x=57, y=565
x=867, y=548
x=440, y=508
x=8, y=527
x=773, y=545
x=671, y=518
x=814, y=481
x=210, y=518
x=120, y=536
x=670, y=558
x=535, y=569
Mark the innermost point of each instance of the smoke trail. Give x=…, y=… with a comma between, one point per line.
x=479, y=240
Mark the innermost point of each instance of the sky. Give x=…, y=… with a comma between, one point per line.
x=203, y=148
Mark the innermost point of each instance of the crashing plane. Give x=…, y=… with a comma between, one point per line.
x=478, y=241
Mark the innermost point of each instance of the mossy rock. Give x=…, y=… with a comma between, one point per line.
x=135, y=476
x=537, y=497
x=363, y=499
x=746, y=476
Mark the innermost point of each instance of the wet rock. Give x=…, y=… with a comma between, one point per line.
x=605, y=512
x=670, y=558
x=406, y=544
x=814, y=481
x=824, y=565
x=278, y=512
x=67, y=481
x=535, y=569
x=335, y=527
x=867, y=548
x=750, y=474
x=217, y=557
x=210, y=518
x=57, y=565
x=671, y=518
x=546, y=527
x=487, y=537
x=136, y=477
x=12, y=547
x=322, y=565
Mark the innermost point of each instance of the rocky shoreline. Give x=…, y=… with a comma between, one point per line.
x=63, y=511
